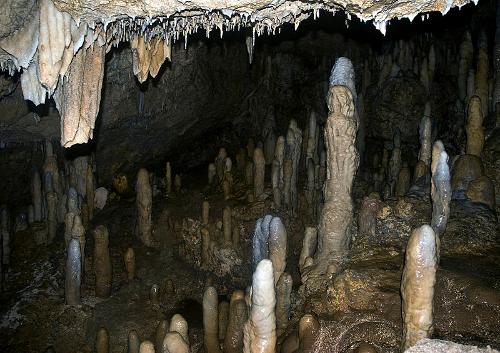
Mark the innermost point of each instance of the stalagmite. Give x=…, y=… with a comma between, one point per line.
x=283, y=293
x=238, y=315
x=51, y=215
x=223, y=319
x=287, y=183
x=417, y=285
x=260, y=329
x=465, y=169
x=102, y=262
x=309, y=328
x=168, y=178
x=432, y=63
x=78, y=99
x=440, y=192
x=205, y=212
x=236, y=237
x=425, y=131
x=211, y=320
x=220, y=163
x=474, y=127
x=395, y=162
x=249, y=174
x=5, y=239
x=308, y=245
x=367, y=219
x=102, y=341
x=482, y=190
x=212, y=172
x=36, y=194
x=78, y=233
x=180, y=325
x=250, y=148
x=277, y=171
x=292, y=153
x=471, y=85
x=466, y=54
x=334, y=232
x=154, y=294
x=73, y=273
x=174, y=343
x=133, y=342
x=481, y=79
x=403, y=181
x=161, y=331
x=177, y=182
x=90, y=191
x=228, y=229
x=144, y=202
x=147, y=347
x=129, y=260
x=277, y=241
x=205, y=246
x=259, y=171
x=269, y=146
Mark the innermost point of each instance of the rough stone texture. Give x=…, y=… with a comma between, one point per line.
x=439, y=346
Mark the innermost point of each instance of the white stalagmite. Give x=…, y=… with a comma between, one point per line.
x=180, y=325
x=211, y=320
x=78, y=99
x=174, y=343
x=144, y=202
x=73, y=273
x=260, y=329
x=334, y=231
x=440, y=191
x=417, y=285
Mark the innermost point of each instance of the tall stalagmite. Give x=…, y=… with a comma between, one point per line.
x=211, y=321
x=144, y=202
x=334, y=232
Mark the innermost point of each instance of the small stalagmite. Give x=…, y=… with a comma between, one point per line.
x=205, y=212
x=180, y=325
x=249, y=173
x=205, y=246
x=154, y=294
x=144, y=203
x=395, y=162
x=440, y=191
x=308, y=245
x=211, y=320
x=474, y=127
x=283, y=293
x=287, y=183
x=102, y=262
x=223, y=319
x=220, y=163
x=147, y=347
x=421, y=169
x=133, y=342
x=277, y=171
x=425, y=131
x=404, y=181
x=129, y=261
x=259, y=171
x=168, y=178
x=482, y=190
x=36, y=194
x=161, y=331
x=102, y=341
x=250, y=148
x=174, y=343
x=238, y=315
x=260, y=329
x=227, y=225
x=367, y=219
x=417, y=285
x=73, y=273
x=212, y=172
x=260, y=247
x=177, y=183
x=309, y=328
x=334, y=231
x=51, y=215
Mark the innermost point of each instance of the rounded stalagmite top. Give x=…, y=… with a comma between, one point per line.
x=343, y=75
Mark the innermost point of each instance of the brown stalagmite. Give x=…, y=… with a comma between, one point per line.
x=417, y=285
x=238, y=315
x=51, y=214
x=180, y=325
x=277, y=242
x=474, y=127
x=102, y=341
x=292, y=153
x=205, y=212
x=334, y=231
x=211, y=321
x=168, y=178
x=226, y=222
x=144, y=202
x=249, y=173
x=287, y=183
x=481, y=79
x=367, y=219
x=466, y=55
x=78, y=99
x=102, y=262
x=129, y=261
x=404, y=181
x=259, y=171
x=260, y=329
x=220, y=163
x=212, y=173
x=177, y=182
x=161, y=331
x=133, y=342
x=308, y=245
x=223, y=319
x=205, y=246
x=154, y=294
x=308, y=332
x=36, y=194
x=277, y=171
x=90, y=191
x=421, y=169
x=283, y=293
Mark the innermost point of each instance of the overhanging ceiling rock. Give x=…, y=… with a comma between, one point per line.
x=61, y=45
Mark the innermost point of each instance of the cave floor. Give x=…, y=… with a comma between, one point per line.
x=361, y=304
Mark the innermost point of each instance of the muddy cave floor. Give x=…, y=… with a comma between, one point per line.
x=361, y=304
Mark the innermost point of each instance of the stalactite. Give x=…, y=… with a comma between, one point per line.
x=223, y=319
